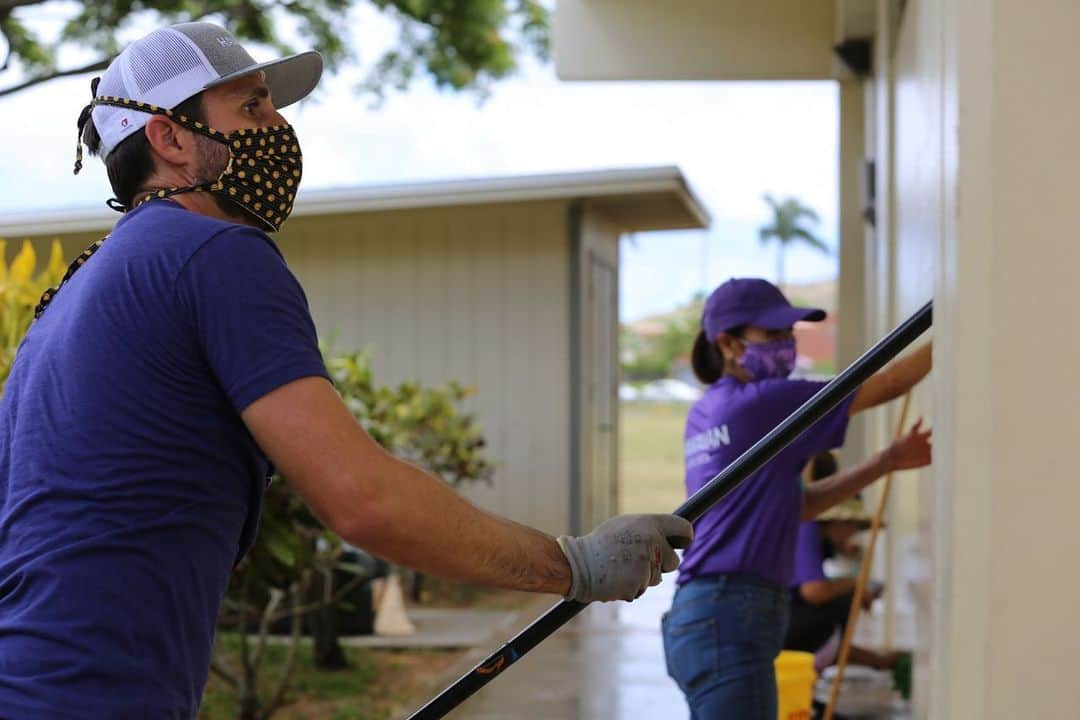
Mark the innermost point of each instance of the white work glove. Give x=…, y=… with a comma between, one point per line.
x=624, y=556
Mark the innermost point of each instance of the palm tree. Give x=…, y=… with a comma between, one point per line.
x=786, y=227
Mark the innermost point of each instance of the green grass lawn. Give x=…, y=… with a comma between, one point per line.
x=651, y=457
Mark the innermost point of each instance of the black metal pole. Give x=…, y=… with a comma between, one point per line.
x=713, y=492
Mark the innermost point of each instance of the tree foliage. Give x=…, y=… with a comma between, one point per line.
x=652, y=357
x=458, y=44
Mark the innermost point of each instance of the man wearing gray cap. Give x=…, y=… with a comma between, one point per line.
x=175, y=361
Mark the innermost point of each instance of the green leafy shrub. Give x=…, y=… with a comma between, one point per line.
x=289, y=573
x=422, y=425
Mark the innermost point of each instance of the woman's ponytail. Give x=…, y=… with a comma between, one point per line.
x=706, y=360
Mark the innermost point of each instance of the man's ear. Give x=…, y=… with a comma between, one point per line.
x=168, y=140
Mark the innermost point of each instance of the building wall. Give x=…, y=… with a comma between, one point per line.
x=917, y=197
x=851, y=335
x=598, y=263
x=473, y=294
x=693, y=39
x=984, y=195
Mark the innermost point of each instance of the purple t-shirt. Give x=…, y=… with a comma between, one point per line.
x=809, y=559
x=129, y=484
x=752, y=531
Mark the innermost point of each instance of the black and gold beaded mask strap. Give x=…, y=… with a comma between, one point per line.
x=48, y=295
x=262, y=174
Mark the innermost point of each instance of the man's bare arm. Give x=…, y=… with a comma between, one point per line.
x=389, y=507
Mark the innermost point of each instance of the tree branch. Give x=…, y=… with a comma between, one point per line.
x=98, y=65
x=7, y=38
x=219, y=667
x=337, y=597
x=276, y=597
x=247, y=689
x=12, y=4
x=298, y=590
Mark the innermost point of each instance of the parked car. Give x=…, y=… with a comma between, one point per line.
x=670, y=390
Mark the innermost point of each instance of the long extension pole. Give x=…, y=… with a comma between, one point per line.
x=713, y=492
x=864, y=575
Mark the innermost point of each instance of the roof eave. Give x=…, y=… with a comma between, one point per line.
x=660, y=198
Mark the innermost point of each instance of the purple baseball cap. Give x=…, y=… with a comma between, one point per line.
x=751, y=301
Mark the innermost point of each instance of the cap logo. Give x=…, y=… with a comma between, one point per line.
x=123, y=122
x=225, y=41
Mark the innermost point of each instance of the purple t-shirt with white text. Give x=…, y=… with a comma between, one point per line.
x=809, y=558
x=751, y=531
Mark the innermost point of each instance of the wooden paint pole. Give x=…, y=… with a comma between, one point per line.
x=864, y=575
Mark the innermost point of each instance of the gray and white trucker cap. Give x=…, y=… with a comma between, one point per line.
x=172, y=64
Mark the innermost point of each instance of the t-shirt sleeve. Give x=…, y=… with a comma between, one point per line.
x=809, y=560
x=249, y=314
x=825, y=434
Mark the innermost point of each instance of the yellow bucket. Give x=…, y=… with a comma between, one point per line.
x=795, y=678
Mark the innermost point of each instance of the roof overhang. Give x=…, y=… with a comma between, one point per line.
x=635, y=199
x=706, y=39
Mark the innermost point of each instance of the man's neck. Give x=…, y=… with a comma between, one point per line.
x=198, y=202
x=206, y=204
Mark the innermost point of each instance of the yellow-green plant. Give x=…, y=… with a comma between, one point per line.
x=20, y=290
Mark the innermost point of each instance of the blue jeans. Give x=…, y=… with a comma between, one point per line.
x=721, y=637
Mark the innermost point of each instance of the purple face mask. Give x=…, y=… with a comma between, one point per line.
x=775, y=359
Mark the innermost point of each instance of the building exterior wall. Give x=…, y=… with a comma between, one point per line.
x=917, y=196
x=984, y=191
x=851, y=335
x=598, y=381
x=473, y=294
x=694, y=39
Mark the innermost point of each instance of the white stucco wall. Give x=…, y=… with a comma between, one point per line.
x=984, y=200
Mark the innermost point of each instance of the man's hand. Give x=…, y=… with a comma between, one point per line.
x=911, y=451
x=624, y=556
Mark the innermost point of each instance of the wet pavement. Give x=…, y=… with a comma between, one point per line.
x=606, y=664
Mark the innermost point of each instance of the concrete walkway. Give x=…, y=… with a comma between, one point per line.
x=606, y=664
x=439, y=628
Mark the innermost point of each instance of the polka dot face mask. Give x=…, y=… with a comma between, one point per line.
x=262, y=174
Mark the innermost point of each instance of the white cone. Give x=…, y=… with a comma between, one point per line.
x=390, y=615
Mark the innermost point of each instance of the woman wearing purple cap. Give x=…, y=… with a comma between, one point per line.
x=730, y=612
